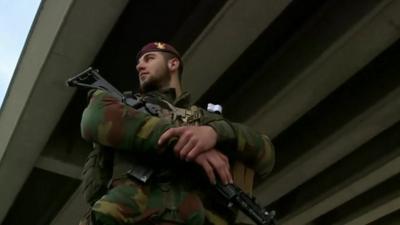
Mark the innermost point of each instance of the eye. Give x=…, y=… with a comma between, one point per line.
x=148, y=58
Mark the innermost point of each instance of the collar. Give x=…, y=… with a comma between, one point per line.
x=169, y=95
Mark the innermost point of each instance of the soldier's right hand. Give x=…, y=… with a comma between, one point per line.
x=213, y=161
x=192, y=140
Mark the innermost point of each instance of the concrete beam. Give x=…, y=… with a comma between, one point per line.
x=59, y=167
x=73, y=210
x=373, y=174
x=373, y=211
x=231, y=31
x=65, y=39
x=391, y=219
x=342, y=59
x=356, y=132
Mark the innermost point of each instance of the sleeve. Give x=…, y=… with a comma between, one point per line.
x=111, y=123
x=250, y=147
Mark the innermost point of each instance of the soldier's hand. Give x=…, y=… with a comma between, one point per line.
x=213, y=161
x=192, y=140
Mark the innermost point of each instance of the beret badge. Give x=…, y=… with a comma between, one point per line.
x=159, y=45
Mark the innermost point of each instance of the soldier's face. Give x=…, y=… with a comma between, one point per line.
x=153, y=71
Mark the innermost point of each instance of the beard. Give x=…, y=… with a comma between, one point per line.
x=148, y=86
x=154, y=83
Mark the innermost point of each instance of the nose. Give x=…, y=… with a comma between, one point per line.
x=139, y=66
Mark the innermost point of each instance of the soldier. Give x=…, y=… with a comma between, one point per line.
x=174, y=146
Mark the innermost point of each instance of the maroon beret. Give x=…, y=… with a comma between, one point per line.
x=158, y=47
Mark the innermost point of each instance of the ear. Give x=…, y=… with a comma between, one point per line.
x=173, y=64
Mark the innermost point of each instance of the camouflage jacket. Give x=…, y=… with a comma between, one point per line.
x=109, y=122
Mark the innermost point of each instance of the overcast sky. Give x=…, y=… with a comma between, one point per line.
x=16, y=17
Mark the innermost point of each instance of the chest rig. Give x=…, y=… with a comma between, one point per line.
x=180, y=116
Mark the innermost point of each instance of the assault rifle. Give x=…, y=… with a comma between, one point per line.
x=90, y=78
x=248, y=205
x=234, y=196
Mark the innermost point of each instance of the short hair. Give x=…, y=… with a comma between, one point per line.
x=168, y=56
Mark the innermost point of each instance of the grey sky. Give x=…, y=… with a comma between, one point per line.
x=16, y=17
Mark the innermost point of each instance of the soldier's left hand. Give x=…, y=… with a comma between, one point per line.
x=214, y=163
x=192, y=140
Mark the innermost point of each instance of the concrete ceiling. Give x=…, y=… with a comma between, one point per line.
x=319, y=77
x=63, y=41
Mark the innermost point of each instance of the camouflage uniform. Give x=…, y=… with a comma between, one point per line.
x=129, y=132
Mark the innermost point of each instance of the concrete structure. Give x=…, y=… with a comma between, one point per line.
x=320, y=77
